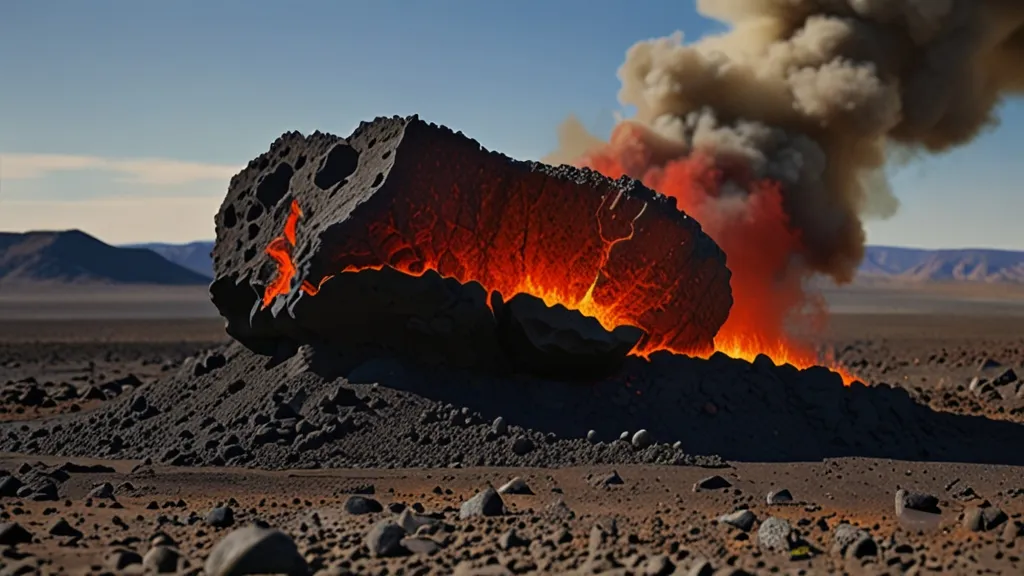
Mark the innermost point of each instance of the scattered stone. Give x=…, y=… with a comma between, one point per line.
x=916, y=501
x=12, y=534
x=162, y=560
x=659, y=565
x=104, y=491
x=420, y=545
x=742, y=519
x=515, y=486
x=221, y=517
x=499, y=427
x=485, y=503
x=712, y=483
x=775, y=534
x=256, y=550
x=642, y=439
x=781, y=497
x=60, y=527
x=852, y=542
x=362, y=505
x=978, y=519
x=384, y=540
x=522, y=446
x=119, y=559
x=592, y=437
x=610, y=479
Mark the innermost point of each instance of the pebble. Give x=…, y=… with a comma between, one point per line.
x=592, y=437
x=515, y=486
x=642, y=439
x=221, y=517
x=916, y=501
x=362, y=505
x=485, y=503
x=384, y=540
x=522, y=446
x=781, y=497
x=742, y=519
x=983, y=519
x=162, y=560
x=500, y=427
x=104, y=491
x=775, y=534
x=256, y=550
x=852, y=542
x=712, y=483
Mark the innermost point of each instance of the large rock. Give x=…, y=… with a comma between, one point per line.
x=311, y=233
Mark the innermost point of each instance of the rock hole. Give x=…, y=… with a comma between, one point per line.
x=300, y=162
x=284, y=151
x=254, y=231
x=371, y=144
x=378, y=179
x=250, y=253
x=386, y=155
x=274, y=186
x=230, y=216
x=338, y=164
x=255, y=211
x=264, y=163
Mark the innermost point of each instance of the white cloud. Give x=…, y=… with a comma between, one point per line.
x=141, y=171
x=117, y=220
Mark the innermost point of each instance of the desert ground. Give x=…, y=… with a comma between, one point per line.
x=73, y=503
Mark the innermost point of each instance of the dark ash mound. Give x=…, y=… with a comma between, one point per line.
x=239, y=408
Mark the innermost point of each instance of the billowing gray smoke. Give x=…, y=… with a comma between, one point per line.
x=812, y=93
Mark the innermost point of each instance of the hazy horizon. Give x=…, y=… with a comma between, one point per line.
x=127, y=120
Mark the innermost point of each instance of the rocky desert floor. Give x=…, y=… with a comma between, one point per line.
x=64, y=357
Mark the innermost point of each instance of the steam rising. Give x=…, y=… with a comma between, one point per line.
x=810, y=93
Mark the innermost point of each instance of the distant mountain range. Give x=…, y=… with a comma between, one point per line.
x=958, y=265
x=75, y=257
x=880, y=263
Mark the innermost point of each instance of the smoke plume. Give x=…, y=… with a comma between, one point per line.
x=774, y=134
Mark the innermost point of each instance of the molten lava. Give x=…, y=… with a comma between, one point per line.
x=745, y=217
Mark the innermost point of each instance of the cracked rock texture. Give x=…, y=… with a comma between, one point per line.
x=401, y=193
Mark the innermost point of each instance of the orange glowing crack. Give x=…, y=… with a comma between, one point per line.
x=610, y=316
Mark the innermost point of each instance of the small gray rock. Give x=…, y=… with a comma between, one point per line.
x=120, y=558
x=515, y=486
x=522, y=446
x=104, y=491
x=775, y=534
x=742, y=519
x=221, y=517
x=781, y=497
x=162, y=560
x=852, y=542
x=411, y=522
x=385, y=540
x=610, y=479
x=359, y=505
x=485, y=503
x=500, y=427
x=624, y=436
x=984, y=519
x=712, y=483
x=916, y=501
x=642, y=439
x=256, y=550
x=592, y=436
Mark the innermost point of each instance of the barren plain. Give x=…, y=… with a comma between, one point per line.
x=74, y=501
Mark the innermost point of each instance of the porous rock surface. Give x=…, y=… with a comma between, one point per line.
x=413, y=196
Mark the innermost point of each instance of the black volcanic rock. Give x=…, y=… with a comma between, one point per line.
x=340, y=216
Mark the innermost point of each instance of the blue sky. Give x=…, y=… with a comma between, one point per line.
x=126, y=119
